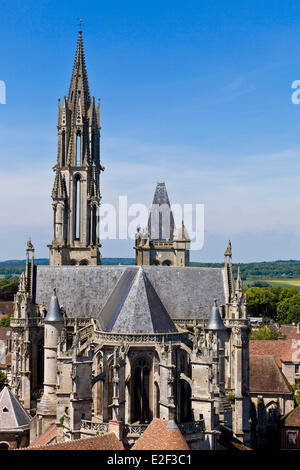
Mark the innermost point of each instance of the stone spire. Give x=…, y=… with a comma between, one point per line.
x=239, y=282
x=160, y=243
x=76, y=190
x=79, y=79
x=228, y=271
x=161, y=221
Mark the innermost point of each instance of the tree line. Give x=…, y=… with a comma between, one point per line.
x=281, y=304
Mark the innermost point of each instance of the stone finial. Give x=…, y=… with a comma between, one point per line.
x=228, y=251
x=29, y=244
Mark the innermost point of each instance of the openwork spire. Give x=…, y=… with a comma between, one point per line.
x=79, y=86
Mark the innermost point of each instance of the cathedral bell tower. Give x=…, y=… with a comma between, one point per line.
x=76, y=193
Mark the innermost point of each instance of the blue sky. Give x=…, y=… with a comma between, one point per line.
x=196, y=94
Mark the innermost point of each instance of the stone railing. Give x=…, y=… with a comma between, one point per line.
x=190, y=322
x=77, y=321
x=139, y=338
x=134, y=430
x=25, y=322
x=93, y=427
x=192, y=427
x=85, y=332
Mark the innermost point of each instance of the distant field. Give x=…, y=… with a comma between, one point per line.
x=295, y=283
x=284, y=282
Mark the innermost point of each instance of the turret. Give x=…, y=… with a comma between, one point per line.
x=53, y=322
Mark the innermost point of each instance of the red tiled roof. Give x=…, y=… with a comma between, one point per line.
x=3, y=333
x=290, y=331
x=266, y=377
x=280, y=349
x=44, y=438
x=7, y=307
x=158, y=437
x=104, y=442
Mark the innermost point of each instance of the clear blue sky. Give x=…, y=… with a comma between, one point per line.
x=195, y=93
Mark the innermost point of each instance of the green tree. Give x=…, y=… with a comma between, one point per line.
x=288, y=310
x=5, y=322
x=261, y=302
x=2, y=379
x=265, y=333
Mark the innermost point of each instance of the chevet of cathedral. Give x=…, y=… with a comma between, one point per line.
x=97, y=348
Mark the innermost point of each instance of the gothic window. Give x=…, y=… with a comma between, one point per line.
x=156, y=400
x=78, y=149
x=63, y=148
x=77, y=197
x=140, y=396
x=185, y=401
x=94, y=218
x=110, y=373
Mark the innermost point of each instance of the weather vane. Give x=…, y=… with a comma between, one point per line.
x=80, y=22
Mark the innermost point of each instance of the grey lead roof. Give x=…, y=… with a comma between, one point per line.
x=83, y=291
x=161, y=221
x=54, y=313
x=215, y=321
x=134, y=307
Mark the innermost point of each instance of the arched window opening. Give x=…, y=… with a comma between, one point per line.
x=40, y=363
x=140, y=402
x=156, y=400
x=78, y=149
x=166, y=263
x=185, y=401
x=77, y=207
x=83, y=262
x=94, y=228
x=4, y=446
x=110, y=373
x=63, y=148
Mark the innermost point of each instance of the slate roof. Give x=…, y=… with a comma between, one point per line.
x=266, y=377
x=104, y=442
x=134, y=307
x=83, y=291
x=12, y=413
x=292, y=419
x=161, y=435
x=161, y=221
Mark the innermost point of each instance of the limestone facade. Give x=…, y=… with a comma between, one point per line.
x=98, y=348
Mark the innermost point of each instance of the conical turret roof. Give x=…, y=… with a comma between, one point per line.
x=54, y=313
x=12, y=413
x=215, y=321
